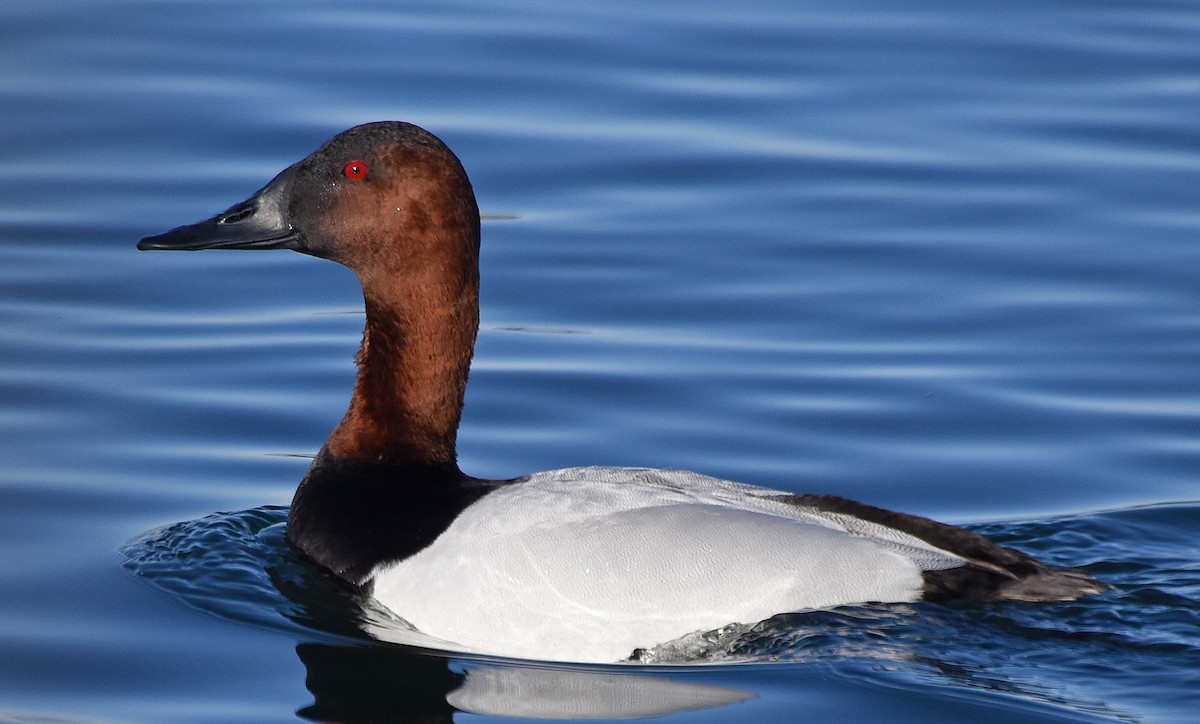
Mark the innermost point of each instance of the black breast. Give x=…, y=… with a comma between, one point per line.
x=349, y=517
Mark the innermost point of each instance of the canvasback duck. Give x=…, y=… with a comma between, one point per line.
x=582, y=564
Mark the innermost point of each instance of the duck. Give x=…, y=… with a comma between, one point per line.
x=585, y=564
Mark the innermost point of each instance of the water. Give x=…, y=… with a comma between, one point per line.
x=938, y=257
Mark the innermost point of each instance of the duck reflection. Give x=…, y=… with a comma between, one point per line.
x=396, y=684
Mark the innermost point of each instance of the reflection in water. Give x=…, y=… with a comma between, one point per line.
x=355, y=683
x=390, y=683
x=581, y=694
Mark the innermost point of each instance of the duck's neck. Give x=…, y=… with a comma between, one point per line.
x=412, y=373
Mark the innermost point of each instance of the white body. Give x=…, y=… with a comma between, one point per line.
x=588, y=564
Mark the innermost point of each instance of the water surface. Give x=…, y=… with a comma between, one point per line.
x=939, y=257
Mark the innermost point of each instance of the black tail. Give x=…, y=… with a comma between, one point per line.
x=992, y=572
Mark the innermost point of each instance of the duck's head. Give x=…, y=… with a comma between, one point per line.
x=382, y=198
x=391, y=202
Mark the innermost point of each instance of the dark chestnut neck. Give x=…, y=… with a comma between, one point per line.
x=412, y=369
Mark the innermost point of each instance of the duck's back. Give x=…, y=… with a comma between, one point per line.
x=591, y=563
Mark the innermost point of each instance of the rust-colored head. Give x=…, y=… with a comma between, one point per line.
x=387, y=199
x=390, y=201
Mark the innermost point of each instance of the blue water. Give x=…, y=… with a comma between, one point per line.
x=937, y=256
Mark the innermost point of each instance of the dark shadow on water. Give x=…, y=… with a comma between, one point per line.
x=372, y=683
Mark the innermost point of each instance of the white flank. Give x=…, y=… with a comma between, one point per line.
x=588, y=564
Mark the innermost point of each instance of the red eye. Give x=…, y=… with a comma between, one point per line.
x=355, y=170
